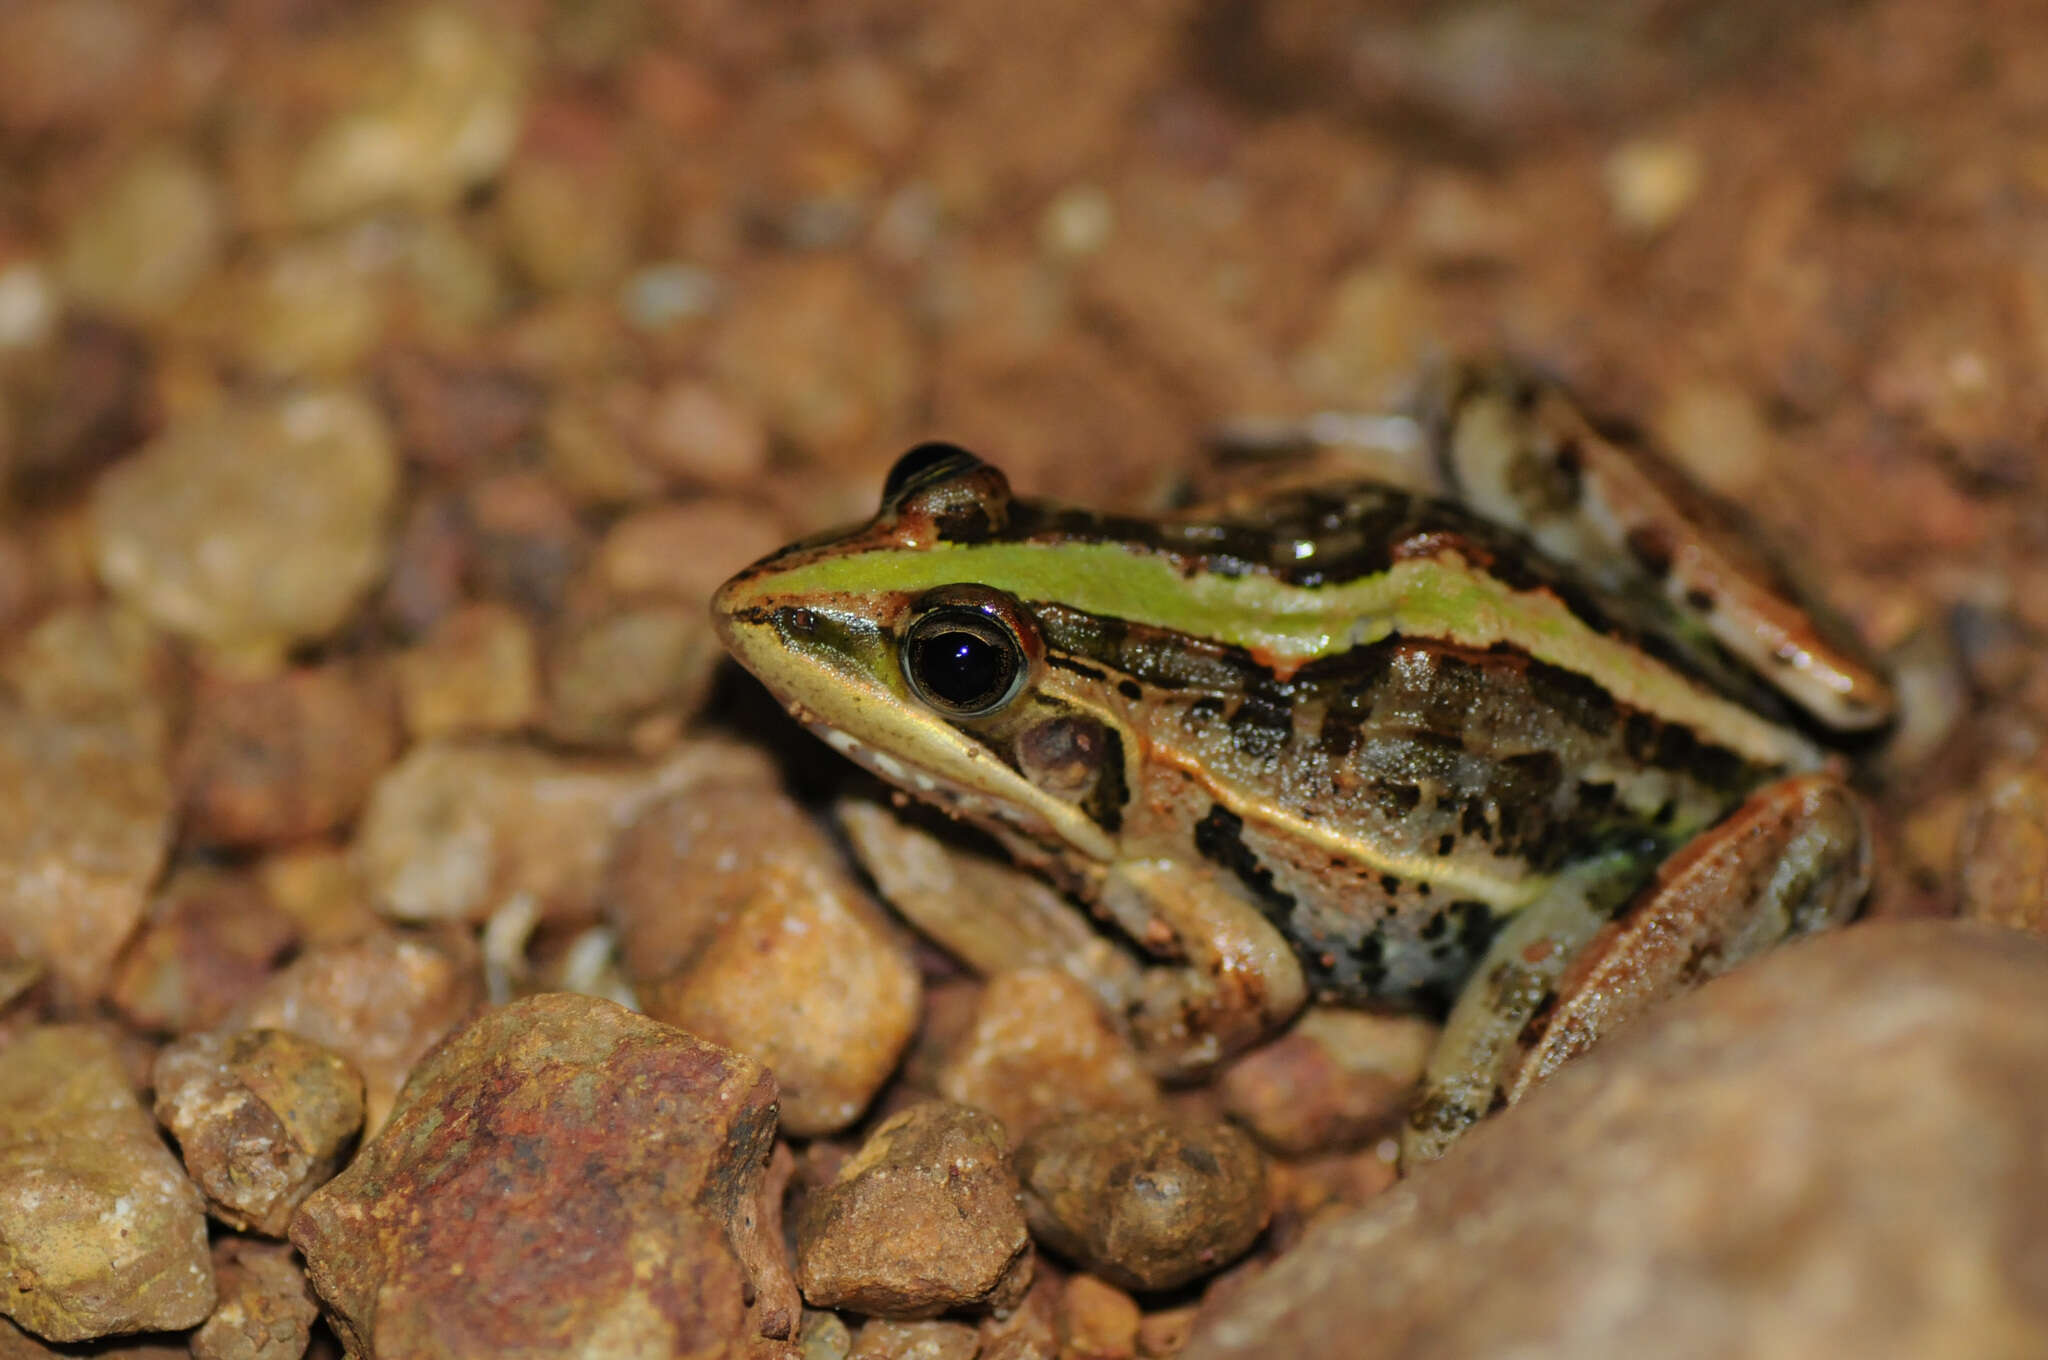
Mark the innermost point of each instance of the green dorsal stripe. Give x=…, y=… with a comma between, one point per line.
x=1288, y=626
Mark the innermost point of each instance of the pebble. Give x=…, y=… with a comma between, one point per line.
x=476, y=673
x=1337, y=1079
x=441, y=117
x=457, y=829
x=211, y=939
x=380, y=1003
x=693, y=859
x=684, y=550
x=824, y=355
x=100, y=1232
x=16, y=1344
x=266, y=1308
x=611, y=678
x=1650, y=183
x=1759, y=1121
x=262, y=1118
x=887, y=1339
x=1039, y=1047
x=984, y=911
x=85, y=819
x=285, y=757
x=62, y=61
x=254, y=527
x=314, y=307
x=2002, y=860
x=153, y=230
x=1098, y=1321
x=699, y=434
x=660, y=1251
x=925, y=1218
x=1145, y=1201
x=810, y=978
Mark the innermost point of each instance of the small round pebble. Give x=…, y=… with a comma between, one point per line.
x=1145, y=1201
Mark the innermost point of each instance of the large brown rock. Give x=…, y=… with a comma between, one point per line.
x=561, y=1177
x=100, y=1232
x=1833, y=1151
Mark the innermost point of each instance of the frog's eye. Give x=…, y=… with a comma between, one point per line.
x=966, y=652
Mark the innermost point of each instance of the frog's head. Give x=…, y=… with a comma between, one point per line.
x=886, y=642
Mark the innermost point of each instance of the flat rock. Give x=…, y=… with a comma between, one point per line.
x=100, y=1232
x=1038, y=1048
x=561, y=1177
x=1834, y=1150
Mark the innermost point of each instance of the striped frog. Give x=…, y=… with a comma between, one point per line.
x=1542, y=750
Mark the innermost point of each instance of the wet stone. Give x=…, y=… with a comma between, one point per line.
x=1335, y=1080
x=666, y=1139
x=1806, y=1113
x=1144, y=1201
x=100, y=1232
x=1039, y=1048
x=283, y=758
x=85, y=817
x=262, y=1117
x=211, y=939
x=379, y=1002
x=253, y=527
x=266, y=1308
x=923, y=1219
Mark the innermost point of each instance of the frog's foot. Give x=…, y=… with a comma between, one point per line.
x=1235, y=981
x=1793, y=859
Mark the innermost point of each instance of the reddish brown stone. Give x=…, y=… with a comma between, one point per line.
x=923, y=1219
x=561, y=1174
x=211, y=939
x=1040, y=1048
x=281, y=759
x=1337, y=1079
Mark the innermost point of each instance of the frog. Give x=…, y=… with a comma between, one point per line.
x=1531, y=747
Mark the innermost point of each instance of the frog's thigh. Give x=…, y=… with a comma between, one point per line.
x=1237, y=979
x=1794, y=858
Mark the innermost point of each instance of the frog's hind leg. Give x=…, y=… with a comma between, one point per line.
x=1793, y=859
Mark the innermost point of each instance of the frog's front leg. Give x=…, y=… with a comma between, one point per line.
x=1794, y=858
x=1234, y=981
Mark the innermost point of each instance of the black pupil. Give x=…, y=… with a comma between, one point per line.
x=962, y=668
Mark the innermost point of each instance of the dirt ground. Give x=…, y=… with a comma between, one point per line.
x=635, y=290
